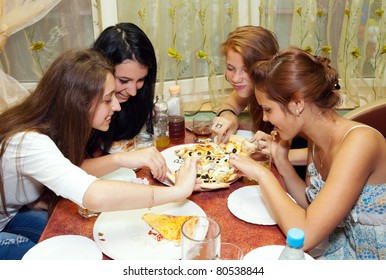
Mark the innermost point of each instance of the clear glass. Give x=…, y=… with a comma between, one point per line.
x=201, y=239
x=202, y=128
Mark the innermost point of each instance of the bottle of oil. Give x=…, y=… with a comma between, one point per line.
x=176, y=116
x=161, y=129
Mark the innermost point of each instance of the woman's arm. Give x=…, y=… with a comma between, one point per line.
x=149, y=157
x=352, y=165
x=105, y=195
x=229, y=121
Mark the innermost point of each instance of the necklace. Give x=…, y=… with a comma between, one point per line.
x=328, y=146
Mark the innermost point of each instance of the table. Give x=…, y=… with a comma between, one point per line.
x=65, y=219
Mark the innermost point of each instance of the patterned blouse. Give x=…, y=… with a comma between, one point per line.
x=362, y=234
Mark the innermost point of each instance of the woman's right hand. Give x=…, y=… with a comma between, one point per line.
x=224, y=126
x=148, y=157
x=186, y=176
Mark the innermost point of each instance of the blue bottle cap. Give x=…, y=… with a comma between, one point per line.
x=295, y=238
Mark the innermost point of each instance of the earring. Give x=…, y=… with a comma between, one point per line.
x=297, y=112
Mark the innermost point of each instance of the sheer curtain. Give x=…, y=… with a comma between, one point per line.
x=187, y=36
x=14, y=16
x=351, y=33
x=32, y=47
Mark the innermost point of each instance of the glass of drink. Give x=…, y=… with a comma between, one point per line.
x=263, y=158
x=202, y=128
x=201, y=239
x=144, y=140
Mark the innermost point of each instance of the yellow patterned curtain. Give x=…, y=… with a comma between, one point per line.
x=187, y=36
x=14, y=16
x=352, y=33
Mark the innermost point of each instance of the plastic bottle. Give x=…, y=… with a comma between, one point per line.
x=176, y=116
x=160, y=124
x=295, y=241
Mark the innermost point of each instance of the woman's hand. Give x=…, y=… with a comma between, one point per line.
x=186, y=176
x=224, y=126
x=148, y=157
x=247, y=166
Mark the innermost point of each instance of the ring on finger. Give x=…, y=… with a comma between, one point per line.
x=218, y=126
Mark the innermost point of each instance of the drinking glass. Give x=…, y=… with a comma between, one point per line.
x=263, y=158
x=144, y=140
x=201, y=239
x=229, y=251
x=202, y=128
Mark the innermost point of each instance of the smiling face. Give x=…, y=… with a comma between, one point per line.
x=237, y=74
x=285, y=123
x=129, y=77
x=104, y=109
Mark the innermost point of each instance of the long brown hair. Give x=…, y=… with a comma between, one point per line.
x=253, y=43
x=294, y=73
x=61, y=105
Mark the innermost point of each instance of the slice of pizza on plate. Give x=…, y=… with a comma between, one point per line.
x=169, y=226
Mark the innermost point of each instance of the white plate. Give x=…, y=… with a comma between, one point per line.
x=124, y=235
x=247, y=204
x=65, y=247
x=247, y=134
x=121, y=174
x=270, y=252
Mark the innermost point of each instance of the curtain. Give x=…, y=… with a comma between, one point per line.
x=15, y=15
x=187, y=36
x=351, y=33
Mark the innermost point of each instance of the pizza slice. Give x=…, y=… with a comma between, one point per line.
x=168, y=226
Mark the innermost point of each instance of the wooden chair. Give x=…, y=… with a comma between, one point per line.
x=372, y=114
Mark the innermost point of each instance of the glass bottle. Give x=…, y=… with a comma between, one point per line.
x=295, y=241
x=160, y=123
x=176, y=116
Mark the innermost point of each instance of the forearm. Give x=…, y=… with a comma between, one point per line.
x=101, y=166
x=115, y=195
x=294, y=185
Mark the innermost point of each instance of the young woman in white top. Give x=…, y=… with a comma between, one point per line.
x=344, y=195
x=42, y=144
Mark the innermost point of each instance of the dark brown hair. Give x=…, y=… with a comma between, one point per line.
x=61, y=105
x=253, y=43
x=294, y=73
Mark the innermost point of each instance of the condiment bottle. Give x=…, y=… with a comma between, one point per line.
x=176, y=116
x=160, y=123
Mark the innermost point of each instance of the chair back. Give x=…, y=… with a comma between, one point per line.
x=372, y=114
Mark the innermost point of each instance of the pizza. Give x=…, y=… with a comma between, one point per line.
x=214, y=168
x=168, y=226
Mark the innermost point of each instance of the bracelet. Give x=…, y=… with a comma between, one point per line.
x=152, y=197
x=226, y=110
